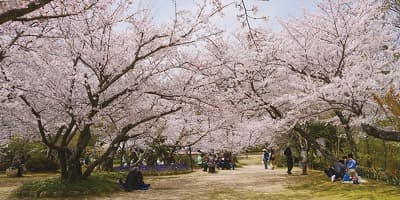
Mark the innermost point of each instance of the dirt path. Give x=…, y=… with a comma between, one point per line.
x=249, y=182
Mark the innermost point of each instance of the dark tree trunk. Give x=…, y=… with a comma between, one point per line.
x=74, y=171
x=121, y=158
x=350, y=139
x=345, y=121
x=74, y=168
x=170, y=158
x=62, y=157
x=110, y=151
x=106, y=157
x=312, y=142
x=190, y=158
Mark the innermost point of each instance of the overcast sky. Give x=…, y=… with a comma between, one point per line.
x=274, y=9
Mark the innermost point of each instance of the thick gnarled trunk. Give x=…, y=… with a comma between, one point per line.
x=74, y=171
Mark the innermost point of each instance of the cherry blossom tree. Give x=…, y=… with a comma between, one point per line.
x=343, y=54
x=89, y=73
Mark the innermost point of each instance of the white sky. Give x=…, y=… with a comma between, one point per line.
x=274, y=9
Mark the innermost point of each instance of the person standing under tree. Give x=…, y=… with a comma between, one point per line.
x=271, y=158
x=265, y=158
x=289, y=159
x=303, y=159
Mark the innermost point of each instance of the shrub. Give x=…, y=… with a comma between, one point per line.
x=96, y=184
x=33, y=152
x=38, y=162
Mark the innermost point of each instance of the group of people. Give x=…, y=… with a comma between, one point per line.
x=345, y=169
x=212, y=161
x=268, y=158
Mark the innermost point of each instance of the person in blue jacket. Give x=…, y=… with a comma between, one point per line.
x=351, y=168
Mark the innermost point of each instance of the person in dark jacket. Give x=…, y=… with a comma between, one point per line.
x=337, y=171
x=289, y=159
x=134, y=181
x=265, y=158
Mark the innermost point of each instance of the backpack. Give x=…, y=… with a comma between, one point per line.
x=346, y=177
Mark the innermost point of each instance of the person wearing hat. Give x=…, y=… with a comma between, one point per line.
x=265, y=158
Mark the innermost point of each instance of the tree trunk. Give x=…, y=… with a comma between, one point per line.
x=190, y=158
x=106, y=160
x=385, y=153
x=74, y=168
x=312, y=142
x=350, y=139
x=381, y=134
x=170, y=158
x=345, y=121
x=62, y=157
x=369, y=163
x=74, y=171
x=122, y=156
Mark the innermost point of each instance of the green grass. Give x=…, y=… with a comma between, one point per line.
x=96, y=184
x=316, y=185
x=250, y=159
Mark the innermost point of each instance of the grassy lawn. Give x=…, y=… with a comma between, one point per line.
x=9, y=184
x=250, y=159
x=316, y=185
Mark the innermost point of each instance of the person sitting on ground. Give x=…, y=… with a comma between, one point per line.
x=351, y=168
x=340, y=168
x=337, y=171
x=134, y=181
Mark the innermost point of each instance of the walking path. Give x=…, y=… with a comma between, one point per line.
x=249, y=182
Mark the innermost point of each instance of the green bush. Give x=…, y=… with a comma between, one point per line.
x=38, y=162
x=96, y=184
x=33, y=152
